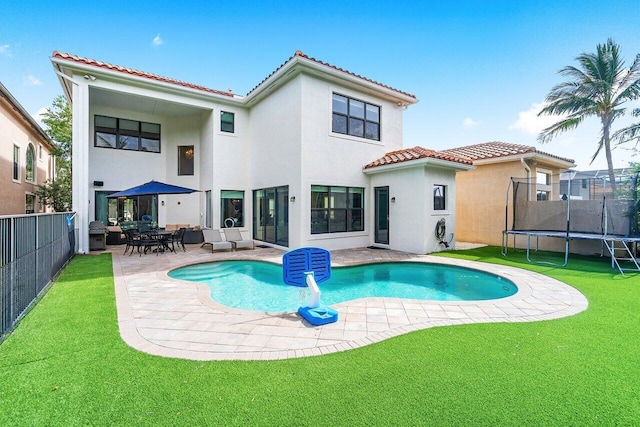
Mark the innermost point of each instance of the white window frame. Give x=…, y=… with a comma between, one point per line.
x=16, y=148
x=32, y=148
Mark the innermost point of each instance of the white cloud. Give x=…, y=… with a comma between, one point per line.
x=40, y=114
x=469, y=123
x=157, y=40
x=33, y=81
x=529, y=121
x=4, y=50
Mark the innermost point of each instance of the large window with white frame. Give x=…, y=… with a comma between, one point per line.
x=125, y=134
x=354, y=117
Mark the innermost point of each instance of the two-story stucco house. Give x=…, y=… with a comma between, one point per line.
x=311, y=156
x=26, y=156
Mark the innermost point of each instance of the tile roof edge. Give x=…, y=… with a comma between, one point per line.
x=137, y=73
x=422, y=153
x=526, y=149
x=4, y=93
x=300, y=54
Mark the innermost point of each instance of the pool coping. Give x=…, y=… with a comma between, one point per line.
x=175, y=318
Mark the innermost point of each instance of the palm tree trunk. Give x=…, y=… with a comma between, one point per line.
x=607, y=152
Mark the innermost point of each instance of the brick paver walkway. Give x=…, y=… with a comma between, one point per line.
x=174, y=318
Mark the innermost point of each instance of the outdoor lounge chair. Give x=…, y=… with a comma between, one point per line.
x=213, y=238
x=233, y=235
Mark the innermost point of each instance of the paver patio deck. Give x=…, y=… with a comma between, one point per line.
x=174, y=318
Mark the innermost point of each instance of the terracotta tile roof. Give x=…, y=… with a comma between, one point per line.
x=496, y=149
x=415, y=153
x=302, y=55
x=133, y=72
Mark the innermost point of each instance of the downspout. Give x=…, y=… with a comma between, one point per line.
x=528, y=169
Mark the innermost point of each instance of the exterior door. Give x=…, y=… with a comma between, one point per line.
x=382, y=215
x=271, y=215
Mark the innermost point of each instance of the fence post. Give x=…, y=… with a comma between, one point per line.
x=12, y=270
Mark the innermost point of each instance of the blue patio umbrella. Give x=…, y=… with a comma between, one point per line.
x=151, y=188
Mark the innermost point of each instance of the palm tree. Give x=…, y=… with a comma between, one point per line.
x=598, y=87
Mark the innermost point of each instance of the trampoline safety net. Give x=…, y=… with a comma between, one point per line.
x=573, y=204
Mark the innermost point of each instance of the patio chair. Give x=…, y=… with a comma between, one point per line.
x=213, y=238
x=233, y=235
x=132, y=241
x=136, y=240
x=178, y=237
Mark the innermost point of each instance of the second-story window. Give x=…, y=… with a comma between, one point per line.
x=355, y=118
x=125, y=134
x=186, y=155
x=16, y=163
x=227, y=122
x=29, y=166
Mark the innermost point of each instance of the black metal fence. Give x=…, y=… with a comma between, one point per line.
x=33, y=249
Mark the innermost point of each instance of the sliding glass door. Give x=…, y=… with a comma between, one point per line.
x=271, y=215
x=127, y=212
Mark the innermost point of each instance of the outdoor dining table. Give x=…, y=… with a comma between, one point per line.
x=159, y=238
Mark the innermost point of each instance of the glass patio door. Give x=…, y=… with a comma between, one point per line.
x=271, y=215
x=382, y=215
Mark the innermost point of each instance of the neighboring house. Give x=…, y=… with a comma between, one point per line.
x=291, y=164
x=587, y=184
x=26, y=155
x=481, y=194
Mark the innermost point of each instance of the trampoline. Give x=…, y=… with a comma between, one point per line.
x=572, y=208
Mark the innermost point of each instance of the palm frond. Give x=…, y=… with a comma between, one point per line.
x=600, y=145
x=564, y=125
x=599, y=85
x=627, y=134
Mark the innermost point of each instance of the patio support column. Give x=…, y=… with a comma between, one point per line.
x=80, y=158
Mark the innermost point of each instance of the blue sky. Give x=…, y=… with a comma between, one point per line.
x=479, y=68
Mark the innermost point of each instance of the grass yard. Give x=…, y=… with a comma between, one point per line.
x=66, y=365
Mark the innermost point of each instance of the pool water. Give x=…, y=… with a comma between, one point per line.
x=258, y=286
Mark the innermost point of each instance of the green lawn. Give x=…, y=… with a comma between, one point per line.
x=66, y=365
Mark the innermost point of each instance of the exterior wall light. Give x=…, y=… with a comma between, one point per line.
x=393, y=200
x=292, y=199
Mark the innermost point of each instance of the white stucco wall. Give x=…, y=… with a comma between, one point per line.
x=412, y=219
x=446, y=177
x=276, y=148
x=231, y=163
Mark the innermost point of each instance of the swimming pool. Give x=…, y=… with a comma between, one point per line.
x=258, y=286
